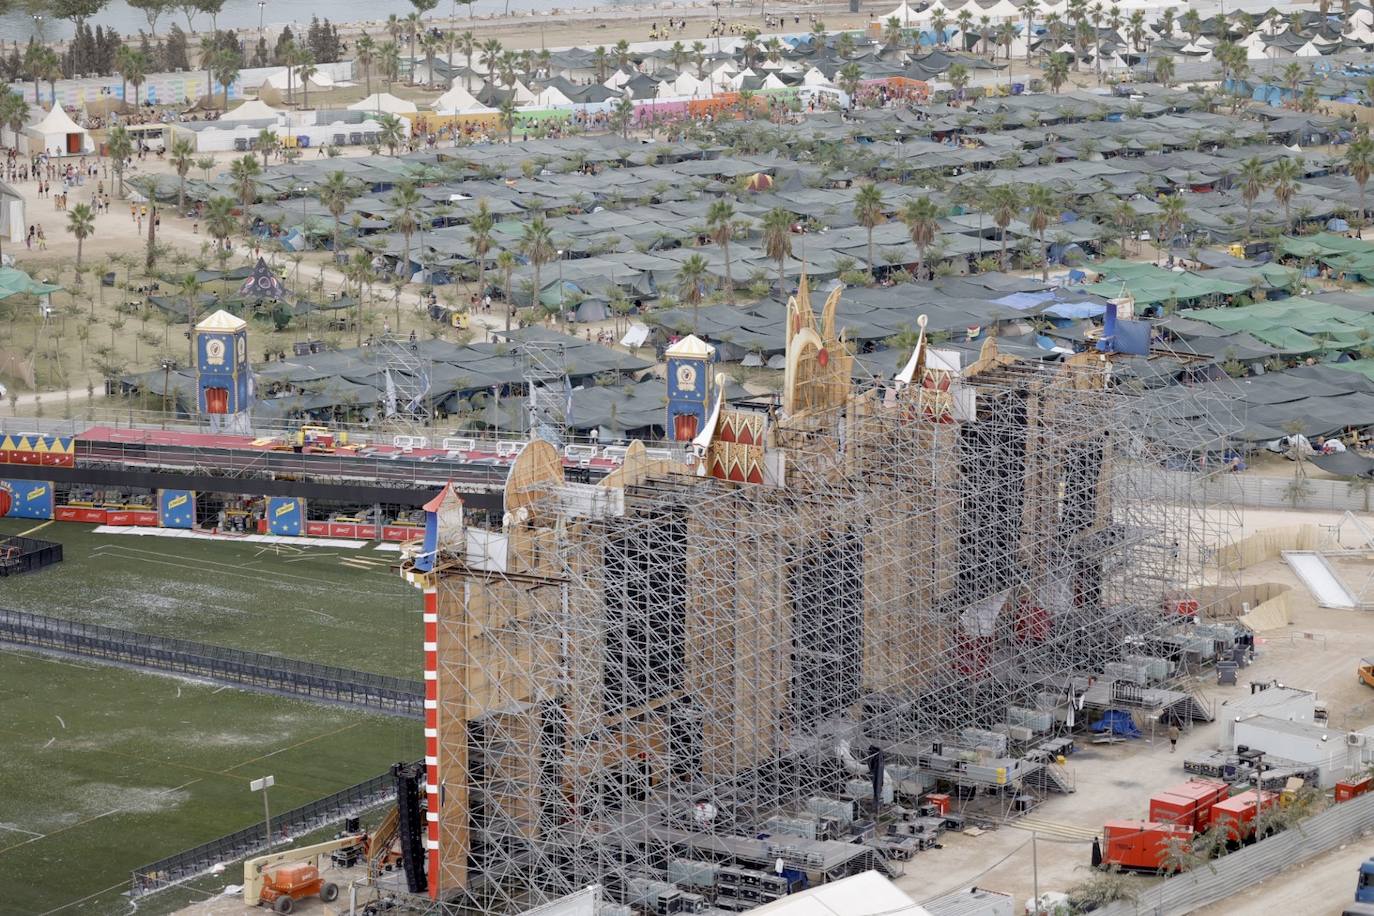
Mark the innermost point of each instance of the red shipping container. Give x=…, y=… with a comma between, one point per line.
x=1238, y=813
x=1348, y=789
x=1142, y=845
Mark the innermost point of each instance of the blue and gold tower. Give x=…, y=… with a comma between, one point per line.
x=691, y=390
x=224, y=382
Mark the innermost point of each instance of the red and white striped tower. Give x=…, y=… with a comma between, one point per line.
x=431, y=620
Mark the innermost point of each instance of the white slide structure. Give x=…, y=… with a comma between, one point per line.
x=1319, y=578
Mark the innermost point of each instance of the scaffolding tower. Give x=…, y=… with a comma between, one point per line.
x=544, y=370
x=407, y=380
x=656, y=665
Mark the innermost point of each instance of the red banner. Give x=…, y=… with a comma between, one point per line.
x=81, y=514
x=317, y=529
x=146, y=519
x=401, y=532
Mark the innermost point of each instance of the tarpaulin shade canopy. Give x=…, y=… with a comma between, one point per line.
x=14, y=282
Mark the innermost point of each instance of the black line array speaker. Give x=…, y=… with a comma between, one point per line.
x=411, y=825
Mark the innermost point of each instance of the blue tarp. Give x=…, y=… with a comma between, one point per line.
x=1116, y=722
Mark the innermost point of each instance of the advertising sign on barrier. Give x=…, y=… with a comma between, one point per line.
x=285, y=515
x=26, y=499
x=176, y=508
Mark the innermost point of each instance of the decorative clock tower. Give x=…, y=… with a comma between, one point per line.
x=691, y=389
x=224, y=382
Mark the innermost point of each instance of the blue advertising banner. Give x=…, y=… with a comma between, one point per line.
x=285, y=515
x=176, y=508
x=26, y=499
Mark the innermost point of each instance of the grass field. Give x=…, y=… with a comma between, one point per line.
x=105, y=770
x=340, y=607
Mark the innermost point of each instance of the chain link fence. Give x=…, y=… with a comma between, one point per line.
x=238, y=667
x=241, y=844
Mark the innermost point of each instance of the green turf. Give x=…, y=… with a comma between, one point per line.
x=329, y=605
x=105, y=770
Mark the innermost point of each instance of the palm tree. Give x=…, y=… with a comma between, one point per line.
x=412, y=27
x=226, y=70
x=848, y=78
x=1041, y=209
x=365, y=55
x=777, y=239
x=964, y=20
x=219, y=221
x=405, y=219
x=892, y=32
x=720, y=223
x=490, y=58
x=1191, y=23
x=205, y=164
x=868, y=211
x=244, y=172
x=359, y=270
x=182, y=155
x=1253, y=175
x=690, y=278
x=958, y=78
x=336, y=193
x=1056, y=71
x=506, y=263
x=1172, y=216
x=1285, y=175
x=190, y=291
x=390, y=132
x=699, y=58
x=479, y=229
x=133, y=68
x=599, y=63
x=305, y=69
x=467, y=44
x=922, y=218
x=1359, y=158
x=1029, y=9
x=536, y=244
x=1137, y=29
x=430, y=44
x=506, y=114
x=81, y=224
x=267, y=142
x=1002, y=203
x=622, y=53
x=119, y=148
x=1164, y=71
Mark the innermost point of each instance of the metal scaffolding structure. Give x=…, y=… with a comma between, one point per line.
x=877, y=579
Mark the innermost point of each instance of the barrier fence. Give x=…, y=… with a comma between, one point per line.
x=241, y=844
x=239, y=667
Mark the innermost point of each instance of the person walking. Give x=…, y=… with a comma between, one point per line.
x=1173, y=737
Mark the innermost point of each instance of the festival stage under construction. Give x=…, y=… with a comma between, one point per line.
x=859, y=585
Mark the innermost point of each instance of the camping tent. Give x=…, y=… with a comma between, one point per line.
x=56, y=131
x=384, y=103
x=289, y=77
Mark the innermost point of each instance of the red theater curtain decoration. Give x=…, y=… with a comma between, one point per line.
x=216, y=400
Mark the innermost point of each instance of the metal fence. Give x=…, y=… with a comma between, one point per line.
x=1186, y=892
x=20, y=555
x=241, y=844
x=238, y=667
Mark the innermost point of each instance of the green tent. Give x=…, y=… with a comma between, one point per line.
x=14, y=282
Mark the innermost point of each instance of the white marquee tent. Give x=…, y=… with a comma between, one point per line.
x=57, y=132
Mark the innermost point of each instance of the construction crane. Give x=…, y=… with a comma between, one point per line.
x=260, y=874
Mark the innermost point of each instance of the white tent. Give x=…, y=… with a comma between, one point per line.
x=384, y=103
x=1307, y=50
x=523, y=96
x=771, y=81
x=906, y=15
x=318, y=80
x=814, y=77
x=551, y=97
x=252, y=110
x=686, y=86
x=458, y=101
x=57, y=133
x=1001, y=11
